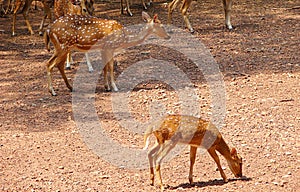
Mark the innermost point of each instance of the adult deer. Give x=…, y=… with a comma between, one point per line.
x=47, y=13
x=83, y=33
x=80, y=7
x=227, y=4
x=196, y=132
x=66, y=7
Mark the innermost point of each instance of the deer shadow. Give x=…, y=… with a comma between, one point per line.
x=201, y=184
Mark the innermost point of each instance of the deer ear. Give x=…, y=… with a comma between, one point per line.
x=145, y=16
x=155, y=17
x=233, y=152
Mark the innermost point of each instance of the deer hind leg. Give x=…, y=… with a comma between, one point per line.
x=151, y=154
x=106, y=84
x=88, y=61
x=186, y=4
x=214, y=155
x=227, y=8
x=193, y=152
x=109, y=66
x=171, y=8
x=18, y=4
x=58, y=60
x=61, y=68
x=160, y=155
x=49, y=67
x=25, y=15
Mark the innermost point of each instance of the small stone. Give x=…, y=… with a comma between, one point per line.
x=104, y=176
x=288, y=153
x=272, y=160
x=283, y=183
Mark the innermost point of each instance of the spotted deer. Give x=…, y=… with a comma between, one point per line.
x=18, y=3
x=227, y=4
x=82, y=7
x=196, y=132
x=84, y=33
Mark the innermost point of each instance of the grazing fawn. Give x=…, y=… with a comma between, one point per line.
x=196, y=132
x=186, y=4
x=83, y=33
x=66, y=7
x=47, y=13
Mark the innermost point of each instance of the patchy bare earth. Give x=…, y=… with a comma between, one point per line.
x=41, y=148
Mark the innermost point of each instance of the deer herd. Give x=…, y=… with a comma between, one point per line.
x=76, y=29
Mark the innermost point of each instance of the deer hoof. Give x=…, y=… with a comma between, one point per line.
x=129, y=13
x=91, y=70
x=107, y=88
x=229, y=27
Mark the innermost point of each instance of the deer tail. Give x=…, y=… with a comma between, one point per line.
x=147, y=134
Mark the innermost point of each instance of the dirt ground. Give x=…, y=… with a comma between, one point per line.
x=41, y=148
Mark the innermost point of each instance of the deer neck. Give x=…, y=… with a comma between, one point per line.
x=224, y=149
x=133, y=39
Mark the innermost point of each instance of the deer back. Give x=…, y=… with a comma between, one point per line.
x=82, y=32
x=188, y=130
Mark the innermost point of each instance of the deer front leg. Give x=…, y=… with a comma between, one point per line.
x=112, y=78
x=47, y=13
x=214, y=155
x=128, y=8
x=193, y=152
x=227, y=8
x=107, y=57
x=184, y=8
x=69, y=61
x=158, y=173
x=144, y=5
